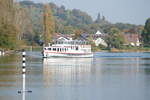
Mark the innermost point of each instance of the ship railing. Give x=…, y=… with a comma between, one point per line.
x=70, y=42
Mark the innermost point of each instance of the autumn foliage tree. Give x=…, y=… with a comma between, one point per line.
x=115, y=39
x=48, y=24
x=8, y=29
x=78, y=33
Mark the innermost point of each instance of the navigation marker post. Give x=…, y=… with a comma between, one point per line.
x=24, y=76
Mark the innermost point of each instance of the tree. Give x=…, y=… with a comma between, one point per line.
x=98, y=20
x=103, y=18
x=48, y=24
x=6, y=11
x=78, y=32
x=146, y=33
x=23, y=22
x=8, y=39
x=8, y=29
x=69, y=30
x=115, y=39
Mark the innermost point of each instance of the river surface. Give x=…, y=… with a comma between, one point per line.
x=107, y=76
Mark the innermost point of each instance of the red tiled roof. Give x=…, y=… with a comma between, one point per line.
x=58, y=35
x=131, y=38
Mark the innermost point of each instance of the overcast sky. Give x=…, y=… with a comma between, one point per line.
x=127, y=11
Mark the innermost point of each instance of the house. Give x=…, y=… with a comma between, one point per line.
x=99, y=39
x=59, y=36
x=132, y=39
x=98, y=33
x=84, y=37
x=2, y=52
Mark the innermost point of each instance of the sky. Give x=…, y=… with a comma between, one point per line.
x=126, y=11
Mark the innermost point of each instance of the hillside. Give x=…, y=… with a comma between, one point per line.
x=69, y=21
x=28, y=23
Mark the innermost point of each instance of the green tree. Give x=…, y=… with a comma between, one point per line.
x=115, y=39
x=98, y=20
x=69, y=30
x=48, y=24
x=146, y=33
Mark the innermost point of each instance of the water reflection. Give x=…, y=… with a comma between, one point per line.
x=108, y=76
x=116, y=65
x=66, y=70
x=9, y=70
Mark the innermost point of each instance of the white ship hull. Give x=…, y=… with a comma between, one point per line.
x=77, y=55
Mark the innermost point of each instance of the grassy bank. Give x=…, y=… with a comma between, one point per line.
x=135, y=49
x=33, y=48
x=124, y=49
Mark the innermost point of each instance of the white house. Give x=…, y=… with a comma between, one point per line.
x=98, y=39
x=63, y=38
x=2, y=52
x=98, y=33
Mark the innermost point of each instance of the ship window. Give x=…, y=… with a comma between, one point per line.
x=49, y=48
x=72, y=42
x=45, y=48
x=77, y=48
x=63, y=49
x=54, y=49
x=57, y=49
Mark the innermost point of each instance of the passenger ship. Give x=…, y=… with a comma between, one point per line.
x=67, y=48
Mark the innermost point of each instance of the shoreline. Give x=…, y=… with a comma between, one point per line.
x=39, y=48
x=130, y=50
x=124, y=50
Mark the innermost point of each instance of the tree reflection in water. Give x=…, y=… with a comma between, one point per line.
x=9, y=69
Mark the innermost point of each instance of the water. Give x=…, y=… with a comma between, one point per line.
x=107, y=76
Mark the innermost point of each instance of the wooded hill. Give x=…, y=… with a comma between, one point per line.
x=68, y=21
x=22, y=23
